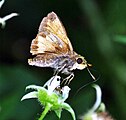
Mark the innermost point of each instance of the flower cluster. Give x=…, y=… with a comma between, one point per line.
x=51, y=96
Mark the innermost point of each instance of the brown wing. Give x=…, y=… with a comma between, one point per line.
x=51, y=38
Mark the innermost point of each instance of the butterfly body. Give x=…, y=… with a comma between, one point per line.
x=53, y=48
x=65, y=63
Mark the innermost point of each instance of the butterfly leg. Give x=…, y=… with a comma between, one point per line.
x=55, y=72
x=59, y=70
x=67, y=80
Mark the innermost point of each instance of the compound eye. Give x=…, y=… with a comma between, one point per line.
x=79, y=60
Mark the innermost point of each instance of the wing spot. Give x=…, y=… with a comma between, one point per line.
x=34, y=47
x=35, y=42
x=52, y=16
x=43, y=35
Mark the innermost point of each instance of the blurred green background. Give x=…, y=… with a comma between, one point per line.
x=97, y=31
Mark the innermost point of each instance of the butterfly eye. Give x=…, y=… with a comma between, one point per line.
x=79, y=60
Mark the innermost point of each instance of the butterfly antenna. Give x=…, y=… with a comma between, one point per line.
x=87, y=84
x=84, y=87
x=91, y=74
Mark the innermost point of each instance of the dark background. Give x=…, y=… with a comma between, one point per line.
x=97, y=31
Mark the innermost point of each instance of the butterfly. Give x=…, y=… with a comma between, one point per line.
x=52, y=48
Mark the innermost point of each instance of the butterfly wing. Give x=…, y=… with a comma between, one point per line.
x=51, y=37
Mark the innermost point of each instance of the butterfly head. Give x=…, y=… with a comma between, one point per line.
x=80, y=63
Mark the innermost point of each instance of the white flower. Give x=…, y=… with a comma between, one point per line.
x=1, y=3
x=51, y=96
x=98, y=98
x=53, y=83
x=7, y=17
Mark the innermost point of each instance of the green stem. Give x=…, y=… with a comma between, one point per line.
x=47, y=108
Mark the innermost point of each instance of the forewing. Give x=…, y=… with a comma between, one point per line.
x=50, y=43
x=53, y=36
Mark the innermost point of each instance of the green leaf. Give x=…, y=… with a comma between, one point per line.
x=33, y=94
x=47, y=108
x=35, y=87
x=120, y=39
x=58, y=113
x=45, y=98
x=69, y=109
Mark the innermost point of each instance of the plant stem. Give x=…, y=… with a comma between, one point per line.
x=47, y=108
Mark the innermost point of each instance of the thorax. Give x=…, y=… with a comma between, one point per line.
x=64, y=61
